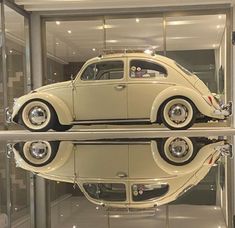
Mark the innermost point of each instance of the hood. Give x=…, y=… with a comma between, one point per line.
x=53, y=86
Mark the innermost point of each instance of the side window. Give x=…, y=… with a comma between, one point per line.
x=106, y=191
x=109, y=70
x=145, y=69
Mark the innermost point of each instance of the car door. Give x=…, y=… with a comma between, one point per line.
x=100, y=91
x=100, y=160
x=146, y=80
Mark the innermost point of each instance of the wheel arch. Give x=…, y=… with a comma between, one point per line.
x=61, y=109
x=179, y=91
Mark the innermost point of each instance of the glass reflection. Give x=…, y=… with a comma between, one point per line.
x=125, y=174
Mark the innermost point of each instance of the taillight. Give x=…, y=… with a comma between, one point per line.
x=210, y=99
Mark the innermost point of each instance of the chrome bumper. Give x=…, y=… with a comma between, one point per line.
x=225, y=150
x=8, y=115
x=225, y=110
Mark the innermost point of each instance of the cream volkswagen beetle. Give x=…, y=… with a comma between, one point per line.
x=128, y=174
x=121, y=88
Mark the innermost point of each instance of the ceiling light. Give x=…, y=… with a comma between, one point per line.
x=220, y=16
x=56, y=74
x=180, y=22
x=104, y=27
x=137, y=20
x=93, y=49
x=69, y=31
x=74, y=53
x=147, y=51
x=57, y=43
x=214, y=45
x=218, y=26
x=10, y=51
x=111, y=41
x=57, y=22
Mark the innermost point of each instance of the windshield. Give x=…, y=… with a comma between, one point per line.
x=184, y=69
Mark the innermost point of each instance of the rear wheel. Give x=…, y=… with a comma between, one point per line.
x=177, y=150
x=178, y=113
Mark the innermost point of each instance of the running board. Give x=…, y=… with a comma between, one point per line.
x=130, y=121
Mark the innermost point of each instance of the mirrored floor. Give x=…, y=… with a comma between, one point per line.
x=177, y=181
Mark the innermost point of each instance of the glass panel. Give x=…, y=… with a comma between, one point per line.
x=106, y=191
x=1, y=77
x=15, y=51
x=198, y=44
x=135, y=34
x=16, y=73
x=69, y=45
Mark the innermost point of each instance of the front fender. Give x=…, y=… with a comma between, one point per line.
x=189, y=93
x=62, y=110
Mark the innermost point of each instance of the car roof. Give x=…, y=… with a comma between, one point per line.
x=133, y=55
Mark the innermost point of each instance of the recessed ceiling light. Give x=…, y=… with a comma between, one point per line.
x=93, y=49
x=57, y=43
x=74, y=53
x=220, y=16
x=218, y=26
x=111, y=41
x=180, y=22
x=57, y=22
x=137, y=20
x=105, y=27
x=10, y=51
x=214, y=45
x=69, y=31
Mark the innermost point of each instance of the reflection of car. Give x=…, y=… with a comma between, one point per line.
x=121, y=88
x=123, y=174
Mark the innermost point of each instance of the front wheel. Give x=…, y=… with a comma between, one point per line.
x=38, y=115
x=178, y=113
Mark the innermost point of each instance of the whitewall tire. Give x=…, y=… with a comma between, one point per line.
x=38, y=115
x=178, y=113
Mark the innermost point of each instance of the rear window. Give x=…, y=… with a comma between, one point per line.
x=146, y=69
x=143, y=192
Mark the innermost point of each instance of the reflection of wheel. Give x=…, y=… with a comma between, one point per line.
x=177, y=150
x=178, y=113
x=39, y=153
x=38, y=115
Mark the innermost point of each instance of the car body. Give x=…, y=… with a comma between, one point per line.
x=124, y=174
x=121, y=88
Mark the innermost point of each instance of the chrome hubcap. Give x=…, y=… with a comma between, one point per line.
x=38, y=150
x=178, y=113
x=37, y=115
x=178, y=148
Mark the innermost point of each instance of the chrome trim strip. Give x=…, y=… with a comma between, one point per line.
x=112, y=121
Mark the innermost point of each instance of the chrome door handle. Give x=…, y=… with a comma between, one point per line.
x=120, y=87
x=121, y=174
